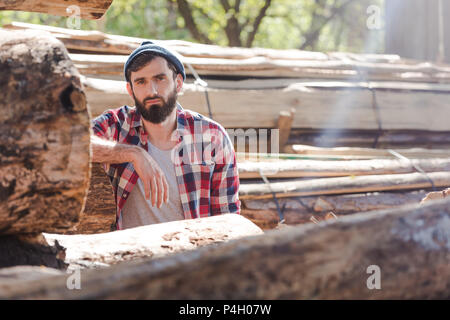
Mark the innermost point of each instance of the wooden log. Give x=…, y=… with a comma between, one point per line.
x=92, y=9
x=317, y=168
x=44, y=135
x=105, y=249
x=330, y=260
x=340, y=204
x=267, y=67
x=299, y=210
x=416, y=153
x=32, y=250
x=343, y=185
x=99, y=214
x=13, y=275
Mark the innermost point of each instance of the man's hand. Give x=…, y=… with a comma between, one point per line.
x=149, y=172
x=152, y=177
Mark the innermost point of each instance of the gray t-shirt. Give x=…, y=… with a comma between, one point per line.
x=138, y=211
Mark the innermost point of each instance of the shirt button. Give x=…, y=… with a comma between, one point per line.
x=125, y=195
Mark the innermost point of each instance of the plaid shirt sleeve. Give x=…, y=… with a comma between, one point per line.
x=106, y=126
x=225, y=180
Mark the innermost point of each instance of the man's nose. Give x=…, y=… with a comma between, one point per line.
x=152, y=88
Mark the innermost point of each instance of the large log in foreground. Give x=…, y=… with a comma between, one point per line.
x=410, y=246
x=102, y=250
x=44, y=135
x=91, y=9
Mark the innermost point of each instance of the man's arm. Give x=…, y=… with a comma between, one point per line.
x=149, y=172
x=151, y=175
x=106, y=151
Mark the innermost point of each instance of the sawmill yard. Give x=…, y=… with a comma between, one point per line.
x=343, y=162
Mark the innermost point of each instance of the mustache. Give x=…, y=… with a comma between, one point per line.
x=152, y=98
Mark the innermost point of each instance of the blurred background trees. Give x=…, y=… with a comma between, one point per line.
x=318, y=25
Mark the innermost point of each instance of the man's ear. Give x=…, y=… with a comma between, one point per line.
x=179, y=82
x=129, y=89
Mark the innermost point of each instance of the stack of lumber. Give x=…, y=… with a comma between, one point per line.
x=334, y=91
x=355, y=180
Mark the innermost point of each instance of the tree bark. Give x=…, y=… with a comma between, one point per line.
x=91, y=9
x=298, y=210
x=99, y=214
x=30, y=250
x=191, y=25
x=44, y=135
x=331, y=260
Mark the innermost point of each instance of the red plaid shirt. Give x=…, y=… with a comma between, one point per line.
x=204, y=159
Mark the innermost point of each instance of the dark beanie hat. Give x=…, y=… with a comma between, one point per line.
x=148, y=46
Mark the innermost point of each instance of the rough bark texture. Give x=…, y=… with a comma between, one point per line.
x=91, y=9
x=102, y=250
x=411, y=246
x=99, y=214
x=299, y=210
x=44, y=135
x=32, y=250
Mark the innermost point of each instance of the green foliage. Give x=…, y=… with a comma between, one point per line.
x=287, y=23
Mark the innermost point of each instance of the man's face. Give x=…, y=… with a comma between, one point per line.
x=154, y=90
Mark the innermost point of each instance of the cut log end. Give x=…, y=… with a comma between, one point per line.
x=44, y=135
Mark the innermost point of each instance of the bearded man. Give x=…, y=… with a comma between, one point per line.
x=164, y=162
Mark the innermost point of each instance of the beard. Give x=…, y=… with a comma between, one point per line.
x=156, y=113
